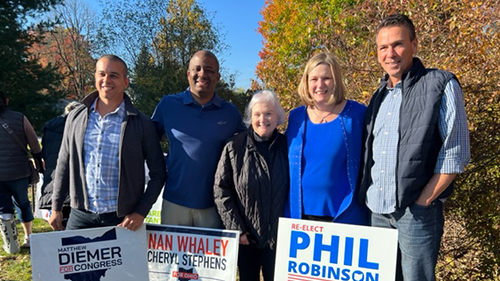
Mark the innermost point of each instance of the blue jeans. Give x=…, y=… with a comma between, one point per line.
x=79, y=219
x=419, y=237
x=17, y=189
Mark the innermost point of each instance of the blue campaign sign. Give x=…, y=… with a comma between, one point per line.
x=309, y=250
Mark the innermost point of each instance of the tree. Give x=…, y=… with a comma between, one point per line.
x=129, y=26
x=148, y=84
x=170, y=33
x=318, y=26
x=31, y=86
x=185, y=30
x=69, y=53
x=460, y=36
x=69, y=46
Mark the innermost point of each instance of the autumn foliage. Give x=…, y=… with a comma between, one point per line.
x=460, y=36
x=69, y=52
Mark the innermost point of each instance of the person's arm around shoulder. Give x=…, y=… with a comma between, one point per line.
x=455, y=152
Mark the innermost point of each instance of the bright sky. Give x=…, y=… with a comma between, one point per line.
x=238, y=21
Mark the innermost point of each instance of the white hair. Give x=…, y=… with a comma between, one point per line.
x=265, y=96
x=70, y=106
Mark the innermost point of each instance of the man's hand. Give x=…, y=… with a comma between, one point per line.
x=132, y=221
x=39, y=163
x=244, y=239
x=436, y=185
x=55, y=220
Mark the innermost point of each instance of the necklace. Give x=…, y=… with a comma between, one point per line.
x=323, y=119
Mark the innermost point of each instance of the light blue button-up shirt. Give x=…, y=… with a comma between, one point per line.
x=101, y=158
x=452, y=158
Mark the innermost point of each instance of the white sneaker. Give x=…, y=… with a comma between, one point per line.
x=26, y=242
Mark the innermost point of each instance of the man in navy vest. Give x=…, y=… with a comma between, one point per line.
x=416, y=141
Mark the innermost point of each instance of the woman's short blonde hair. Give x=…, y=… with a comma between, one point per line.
x=339, y=89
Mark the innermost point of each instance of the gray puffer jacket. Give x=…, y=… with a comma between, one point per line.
x=249, y=194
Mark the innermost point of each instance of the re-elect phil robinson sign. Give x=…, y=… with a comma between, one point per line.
x=310, y=250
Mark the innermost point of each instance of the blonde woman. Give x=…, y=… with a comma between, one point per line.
x=324, y=144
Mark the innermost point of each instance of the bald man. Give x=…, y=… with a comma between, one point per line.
x=197, y=123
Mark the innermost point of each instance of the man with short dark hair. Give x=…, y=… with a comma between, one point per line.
x=101, y=161
x=416, y=142
x=197, y=123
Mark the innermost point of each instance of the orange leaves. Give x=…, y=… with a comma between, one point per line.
x=460, y=36
x=69, y=52
x=295, y=30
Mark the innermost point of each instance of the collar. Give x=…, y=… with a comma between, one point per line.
x=90, y=99
x=410, y=77
x=251, y=138
x=187, y=99
x=398, y=85
x=120, y=110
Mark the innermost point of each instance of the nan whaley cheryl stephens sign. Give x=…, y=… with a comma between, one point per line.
x=105, y=253
x=191, y=253
x=310, y=250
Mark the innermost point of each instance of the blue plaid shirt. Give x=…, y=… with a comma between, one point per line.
x=101, y=158
x=452, y=158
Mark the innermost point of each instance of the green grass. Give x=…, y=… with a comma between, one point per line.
x=17, y=267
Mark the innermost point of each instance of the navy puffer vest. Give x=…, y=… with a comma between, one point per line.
x=419, y=137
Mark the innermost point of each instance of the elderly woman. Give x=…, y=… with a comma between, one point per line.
x=324, y=143
x=251, y=185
